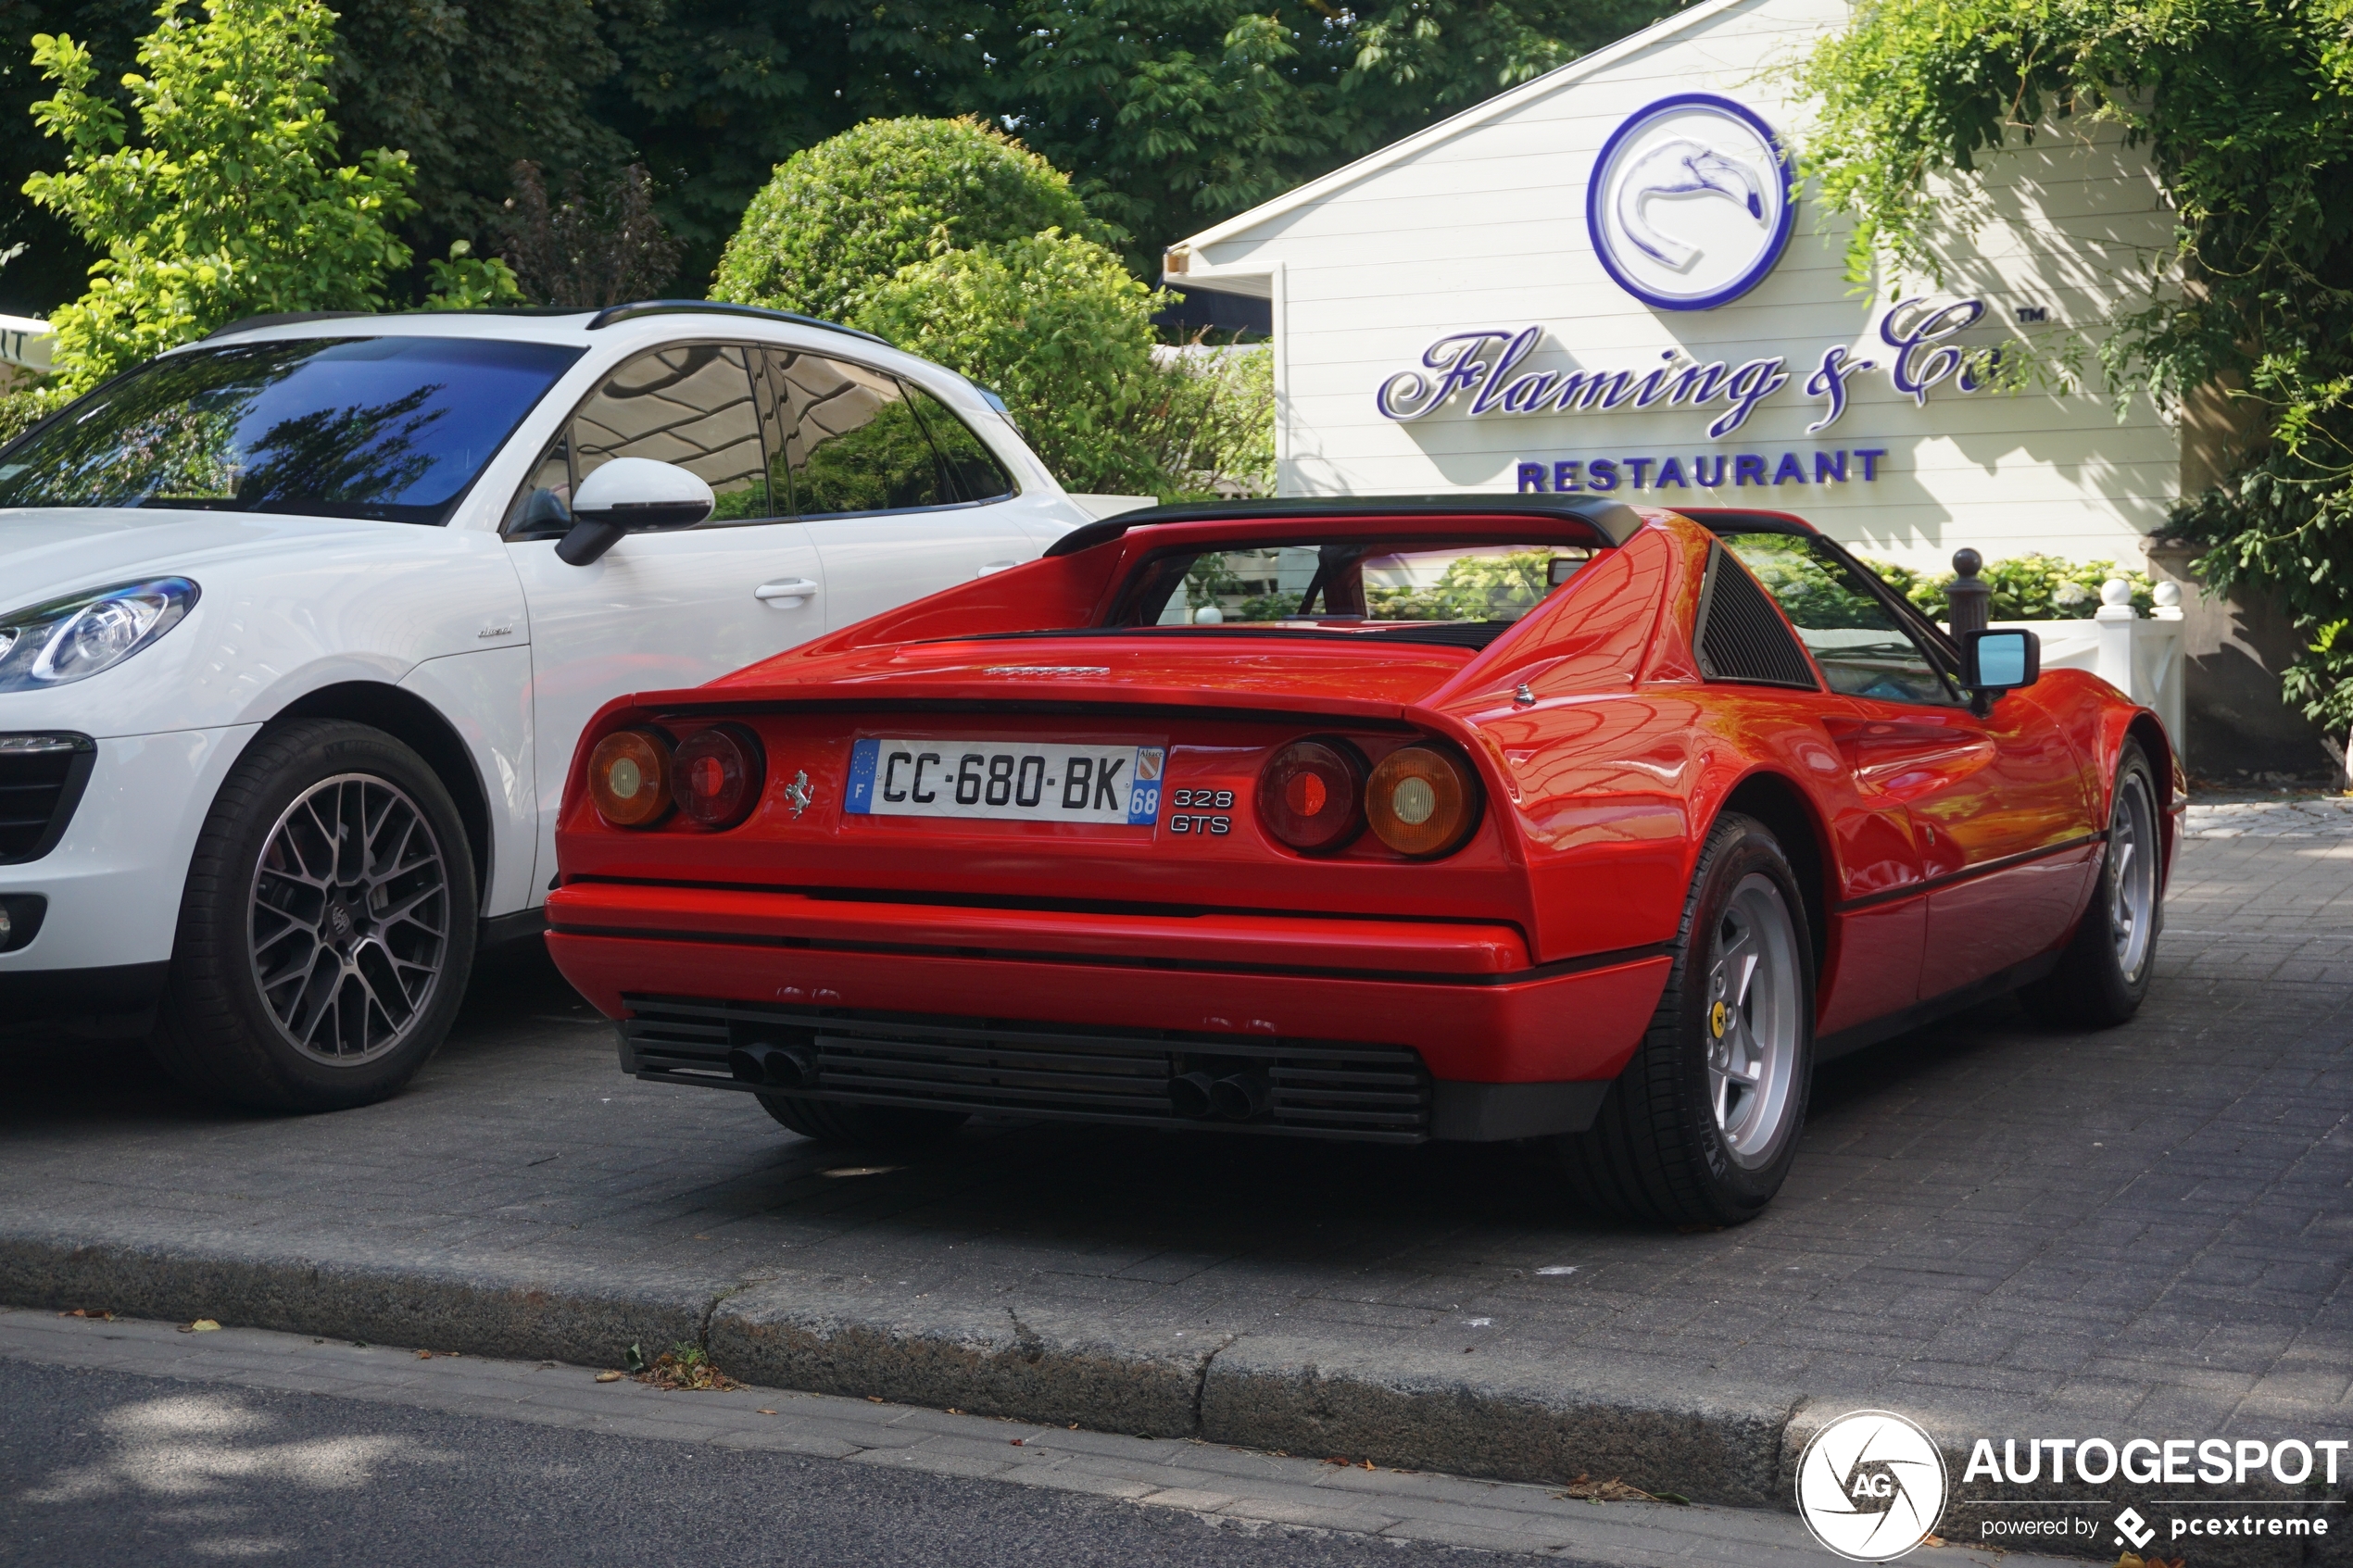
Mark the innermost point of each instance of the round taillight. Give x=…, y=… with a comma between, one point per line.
x=1310, y=795
x=1421, y=801
x=629, y=778
x=715, y=777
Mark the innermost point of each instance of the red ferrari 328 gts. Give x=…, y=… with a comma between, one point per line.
x=1522, y=817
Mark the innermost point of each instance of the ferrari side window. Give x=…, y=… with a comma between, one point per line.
x=1864, y=650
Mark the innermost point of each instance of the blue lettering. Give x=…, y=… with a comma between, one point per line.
x=1409, y=394
x=1640, y=466
x=1701, y=477
x=1871, y=456
x=1565, y=474
x=1527, y=393
x=1916, y=375
x=1748, y=468
x=1531, y=477
x=1982, y=370
x=1602, y=475
x=1514, y=352
x=1790, y=468
x=1671, y=472
x=1828, y=467
x=1829, y=382
x=1752, y=383
x=1698, y=384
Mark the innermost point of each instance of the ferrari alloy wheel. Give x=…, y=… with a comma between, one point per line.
x=1702, y=1126
x=2104, y=971
x=328, y=926
x=1751, y=1018
x=873, y=1126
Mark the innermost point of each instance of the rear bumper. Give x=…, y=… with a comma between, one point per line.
x=1462, y=998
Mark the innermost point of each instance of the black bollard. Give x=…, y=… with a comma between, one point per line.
x=1965, y=596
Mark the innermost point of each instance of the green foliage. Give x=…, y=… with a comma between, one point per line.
x=2245, y=108
x=1054, y=323
x=858, y=209
x=2028, y=587
x=1208, y=423
x=886, y=462
x=232, y=204
x=1472, y=588
x=25, y=406
x=1182, y=112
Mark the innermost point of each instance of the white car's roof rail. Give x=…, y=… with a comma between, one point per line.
x=617, y=313
x=293, y=317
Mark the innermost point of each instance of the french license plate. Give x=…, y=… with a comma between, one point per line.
x=1022, y=781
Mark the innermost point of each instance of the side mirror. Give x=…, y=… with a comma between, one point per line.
x=625, y=495
x=2000, y=660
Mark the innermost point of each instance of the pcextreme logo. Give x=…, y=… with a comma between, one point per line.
x=1870, y=1486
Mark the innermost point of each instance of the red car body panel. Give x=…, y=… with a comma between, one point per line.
x=1944, y=850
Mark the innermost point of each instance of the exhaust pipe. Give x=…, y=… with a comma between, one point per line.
x=1241, y=1097
x=1192, y=1096
x=782, y=1067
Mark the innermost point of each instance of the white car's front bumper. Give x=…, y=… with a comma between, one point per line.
x=112, y=883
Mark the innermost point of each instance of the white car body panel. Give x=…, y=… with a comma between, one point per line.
x=113, y=882
x=511, y=648
x=693, y=617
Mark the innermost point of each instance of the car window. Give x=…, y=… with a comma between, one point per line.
x=395, y=428
x=1350, y=585
x=1863, y=647
x=974, y=469
x=854, y=441
x=691, y=406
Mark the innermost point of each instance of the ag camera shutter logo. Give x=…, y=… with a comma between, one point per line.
x=1691, y=203
x=1870, y=1486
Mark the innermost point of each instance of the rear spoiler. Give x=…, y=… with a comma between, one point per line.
x=1614, y=520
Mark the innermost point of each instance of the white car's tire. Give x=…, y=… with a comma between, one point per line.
x=327, y=925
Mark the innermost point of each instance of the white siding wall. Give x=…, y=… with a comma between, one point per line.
x=1486, y=228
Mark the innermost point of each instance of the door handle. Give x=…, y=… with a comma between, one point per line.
x=786, y=590
x=996, y=566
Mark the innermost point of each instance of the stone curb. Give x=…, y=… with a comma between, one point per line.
x=1270, y=1394
x=1509, y=1423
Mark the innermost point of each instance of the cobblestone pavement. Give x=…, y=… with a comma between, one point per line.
x=1993, y=1226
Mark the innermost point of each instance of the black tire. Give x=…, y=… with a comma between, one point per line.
x=873, y=1126
x=1659, y=1152
x=341, y=951
x=2104, y=971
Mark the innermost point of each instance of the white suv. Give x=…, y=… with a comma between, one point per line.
x=298, y=626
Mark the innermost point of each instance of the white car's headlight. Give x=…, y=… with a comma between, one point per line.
x=69, y=639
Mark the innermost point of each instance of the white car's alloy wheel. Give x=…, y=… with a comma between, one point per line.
x=349, y=918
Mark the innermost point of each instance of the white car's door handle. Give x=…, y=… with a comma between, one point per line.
x=997, y=566
x=786, y=590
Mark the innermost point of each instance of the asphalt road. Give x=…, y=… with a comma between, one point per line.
x=106, y=1468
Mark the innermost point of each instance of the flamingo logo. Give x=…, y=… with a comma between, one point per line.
x=1690, y=207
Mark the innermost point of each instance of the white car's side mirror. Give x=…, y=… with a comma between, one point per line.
x=628, y=494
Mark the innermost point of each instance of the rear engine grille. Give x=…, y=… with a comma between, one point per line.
x=1318, y=1088
x=41, y=780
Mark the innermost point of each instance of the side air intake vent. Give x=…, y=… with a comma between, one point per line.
x=1741, y=634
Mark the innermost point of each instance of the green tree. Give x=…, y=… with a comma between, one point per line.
x=232, y=204
x=850, y=211
x=2245, y=108
x=1057, y=327
x=1183, y=112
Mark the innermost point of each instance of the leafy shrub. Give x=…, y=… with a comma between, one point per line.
x=842, y=217
x=25, y=406
x=2028, y=587
x=1210, y=427
x=232, y=204
x=1054, y=324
